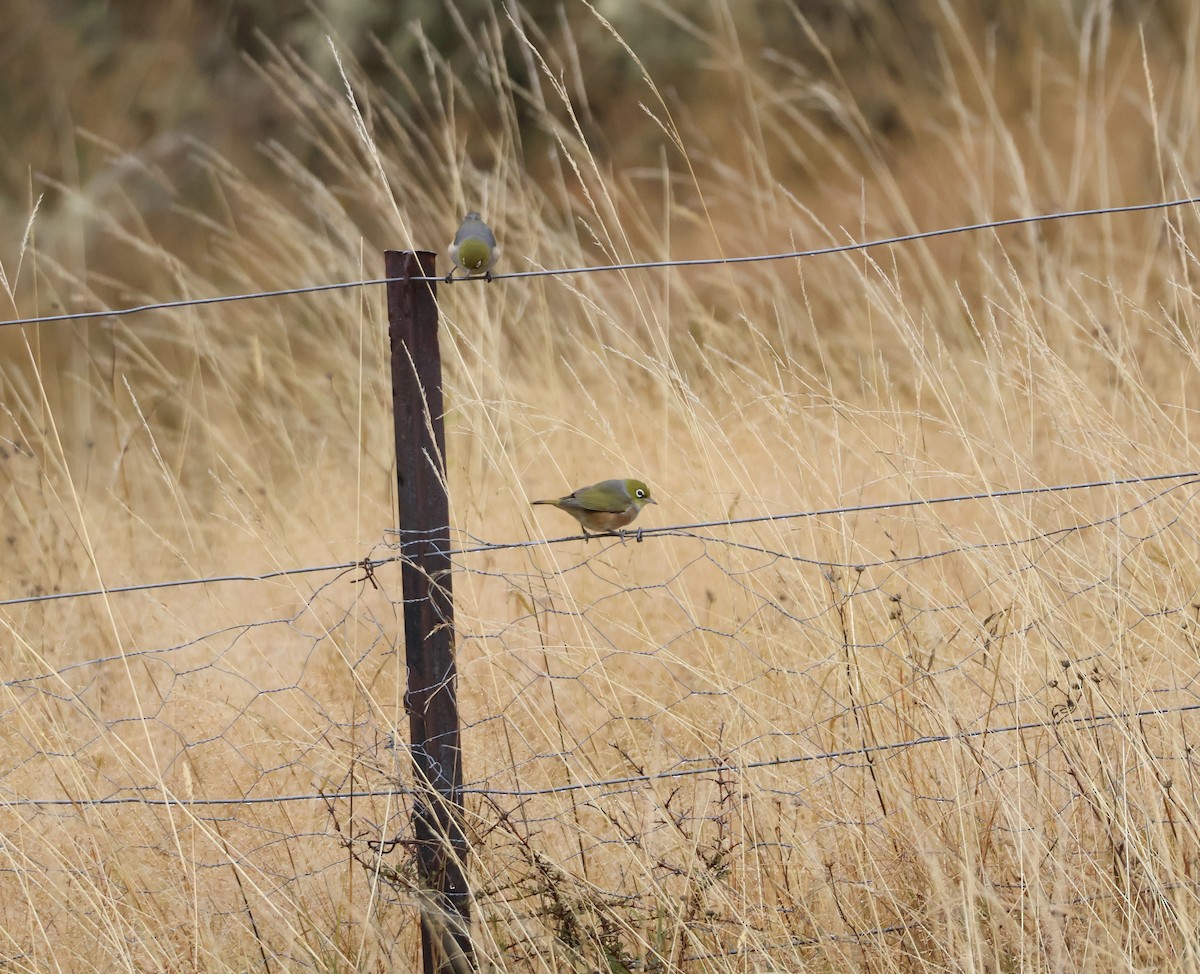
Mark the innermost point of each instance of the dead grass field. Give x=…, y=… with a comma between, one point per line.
x=930, y=738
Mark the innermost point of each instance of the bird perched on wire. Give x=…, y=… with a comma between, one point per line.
x=606, y=506
x=474, y=248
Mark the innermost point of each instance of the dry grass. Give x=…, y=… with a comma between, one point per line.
x=255, y=435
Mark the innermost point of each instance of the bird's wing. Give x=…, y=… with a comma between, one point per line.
x=601, y=497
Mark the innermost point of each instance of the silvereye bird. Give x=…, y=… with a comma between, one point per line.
x=606, y=506
x=474, y=248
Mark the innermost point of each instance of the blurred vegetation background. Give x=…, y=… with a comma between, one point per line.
x=108, y=98
x=174, y=149
x=189, y=149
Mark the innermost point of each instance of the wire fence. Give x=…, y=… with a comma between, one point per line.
x=741, y=738
x=849, y=247
x=662, y=721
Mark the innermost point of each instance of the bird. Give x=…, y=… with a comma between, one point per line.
x=474, y=248
x=606, y=506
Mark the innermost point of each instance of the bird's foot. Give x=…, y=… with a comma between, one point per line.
x=450, y=278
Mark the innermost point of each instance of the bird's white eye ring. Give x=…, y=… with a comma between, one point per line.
x=640, y=492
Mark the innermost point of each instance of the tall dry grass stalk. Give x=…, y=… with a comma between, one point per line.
x=250, y=436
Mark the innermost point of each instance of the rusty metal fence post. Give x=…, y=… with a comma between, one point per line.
x=431, y=697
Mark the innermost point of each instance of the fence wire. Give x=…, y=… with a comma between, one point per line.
x=752, y=741
x=842, y=248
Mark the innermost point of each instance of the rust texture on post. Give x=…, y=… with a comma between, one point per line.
x=431, y=699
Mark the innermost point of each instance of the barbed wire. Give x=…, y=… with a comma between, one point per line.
x=738, y=721
x=423, y=539
x=677, y=530
x=604, y=268
x=209, y=702
x=267, y=576
x=701, y=766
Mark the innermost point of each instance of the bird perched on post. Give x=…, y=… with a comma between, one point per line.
x=606, y=506
x=474, y=248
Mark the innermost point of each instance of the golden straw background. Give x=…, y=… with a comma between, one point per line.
x=896, y=725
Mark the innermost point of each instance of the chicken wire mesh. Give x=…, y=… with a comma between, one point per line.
x=747, y=742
